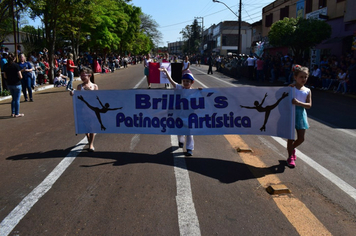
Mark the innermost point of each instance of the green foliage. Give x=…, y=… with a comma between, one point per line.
x=149, y=27
x=5, y=93
x=5, y=19
x=95, y=25
x=34, y=39
x=298, y=34
x=192, y=37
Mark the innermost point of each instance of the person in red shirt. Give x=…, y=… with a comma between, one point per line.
x=70, y=71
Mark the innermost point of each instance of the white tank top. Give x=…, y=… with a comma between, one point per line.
x=301, y=95
x=185, y=65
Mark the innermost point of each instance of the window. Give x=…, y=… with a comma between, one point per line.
x=284, y=12
x=269, y=20
x=322, y=3
x=308, y=6
x=229, y=40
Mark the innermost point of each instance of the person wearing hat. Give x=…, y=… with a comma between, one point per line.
x=187, y=82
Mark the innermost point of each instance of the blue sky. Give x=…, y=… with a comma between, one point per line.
x=173, y=16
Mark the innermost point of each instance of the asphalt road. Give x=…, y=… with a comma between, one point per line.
x=143, y=185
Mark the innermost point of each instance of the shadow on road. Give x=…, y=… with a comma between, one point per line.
x=222, y=170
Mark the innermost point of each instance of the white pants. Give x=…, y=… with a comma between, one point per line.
x=190, y=141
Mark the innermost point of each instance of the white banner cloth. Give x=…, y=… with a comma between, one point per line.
x=211, y=111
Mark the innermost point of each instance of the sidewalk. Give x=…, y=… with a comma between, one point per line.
x=39, y=88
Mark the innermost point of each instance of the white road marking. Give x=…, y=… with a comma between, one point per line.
x=140, y=82
x=134, y=141
x=221, y=80
x=187, y=216
x=10, y=222
x=348, y=189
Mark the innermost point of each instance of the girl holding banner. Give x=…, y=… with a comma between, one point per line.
x=302, y=101
x=85, y=74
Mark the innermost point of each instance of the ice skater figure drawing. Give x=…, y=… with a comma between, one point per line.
x=266, y=109
x=98, y=110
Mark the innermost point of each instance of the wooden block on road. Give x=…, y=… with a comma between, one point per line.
x=278, y=189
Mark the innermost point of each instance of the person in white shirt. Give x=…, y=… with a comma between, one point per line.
x=185, y=65
x=251, y=66
x=341, y=77
x=315, y=76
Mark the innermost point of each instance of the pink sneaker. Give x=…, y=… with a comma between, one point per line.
x=290, y=162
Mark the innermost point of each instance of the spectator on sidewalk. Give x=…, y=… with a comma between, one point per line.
x=26, y=70
x=59, y=79
x=70, y=71
x=341, y=77
x=41, y=71
x=315, y=76
x=259, y=69
x=3, y=60
x=287, y=66
x=64, y=65
x=250, y=61
x=351, y=70
x=326, y=77
x=13, y=76
x=275, y=68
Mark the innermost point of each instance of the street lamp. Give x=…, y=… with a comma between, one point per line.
x=239, y=17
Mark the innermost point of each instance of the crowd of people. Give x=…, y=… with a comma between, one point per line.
x=333, y=73
x=39, y=64
x=25, y=73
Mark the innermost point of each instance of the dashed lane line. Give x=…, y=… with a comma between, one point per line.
x=188, y=222
x=187, y=216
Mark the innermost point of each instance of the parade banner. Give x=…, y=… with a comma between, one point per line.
x=210, y=111
x=156, y=76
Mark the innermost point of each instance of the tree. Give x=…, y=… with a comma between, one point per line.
x=298, y=34
x=9, y=9
x=192, y=36
x=150, y=28
x=34, y=39
x=50, y=12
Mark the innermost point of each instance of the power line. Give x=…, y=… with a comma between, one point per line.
x=191, y=19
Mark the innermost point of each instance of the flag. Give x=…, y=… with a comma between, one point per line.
x=156, y=76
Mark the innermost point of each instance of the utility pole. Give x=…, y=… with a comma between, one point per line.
x=202, y=30
x=239, y=39
x=14, y=28
x=239, y=17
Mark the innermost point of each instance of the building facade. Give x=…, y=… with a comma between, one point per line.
x=175, y=48
x=339, y=14
x=222, y=39
x=10, y=43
